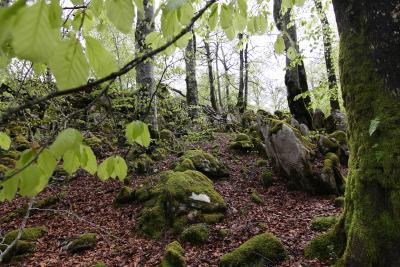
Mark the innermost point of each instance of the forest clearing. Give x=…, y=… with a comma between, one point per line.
x=199, y=133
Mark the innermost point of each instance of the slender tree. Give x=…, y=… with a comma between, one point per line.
x=226, y=77
x=221, y=105
x=330, y=68
x=240, y=98
x=192, y=98
x=246, y=76
x=147, y=101
x=213, y=97
x=368, y=233
x=295, y=77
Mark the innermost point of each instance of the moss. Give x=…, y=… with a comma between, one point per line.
x=261, y=163
x=99, y=264
x=339, y=202
x=256, y=198
x=21, y=248
x=167, y=136
x=125, y=196
x=333, y=158
x=21, y=143
x=222, y=233
x=153, y=221
x=329, y=144
x=340, y=136
x=46, y=202
x=276, y=126
x=184, y=164
x=159, y=154
x=82, y=243
x=180, y=224
x=195, y=234
x=28, y=234
x=260, y=250
x=323, y=247
x=174, y=255
x=266, y=178
x=142, y=164
x=206, y=163
x=323, y=223
x=211, y=218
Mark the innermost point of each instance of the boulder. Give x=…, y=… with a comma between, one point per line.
x=336, y=121
x=174, y=255
x=305, y=131
x=176, y=199
x=203, y=162
x=82, y=243
x=318, y=119
x=142, y=164
x=261, y=250
x=242, y=142
x=195, y=234
x=323, y=223
x=293, y=154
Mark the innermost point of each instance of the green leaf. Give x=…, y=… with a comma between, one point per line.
x=154, y=40
x=183, y=41
x=39, y=69
x=120, y=168
x=138, y=132
x=213, y=18
x=242, y=7
x=174, y=4
x=185, y=13
x=7, y=19
x=34, y=37
x=5, y=141
x=66, y=140
x=279, y=45
x=30, y=183
x=226, y=16
x=121, y=13
x=96, y=6
x=77, y=2
x=169, y=23
x=101, y=60
x=374, y=125
x=71, y=161
x=105, y=169
x=47, y=162
x=9, y=189
x=69, y=65
x=139, y=6
x=292, y=53
x=91, y=163
x=300, y=3
x=55, y=13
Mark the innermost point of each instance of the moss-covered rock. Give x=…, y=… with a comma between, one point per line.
x=256, y=198
x=222, y=233
x=174, y=255
x=203, y=162
x=242, y=142
x=260, y=250
x=21, y=143
x=167, y=136
x=82, y=243
x=28, y=234
x=159, y=154
x=173, y=199
x=195, y=234
x=20, y=249
x=125, y=196
x=211, y=218
x=261, y=163
x=142, y=164
x=323, y=223
x=266, y=178
x=184, y=164
x=323, y=247
x=99, y=264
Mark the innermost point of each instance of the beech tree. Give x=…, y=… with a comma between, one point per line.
x=191, y=81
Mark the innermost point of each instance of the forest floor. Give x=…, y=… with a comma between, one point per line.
x=86, y=205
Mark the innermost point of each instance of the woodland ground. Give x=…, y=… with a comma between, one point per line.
x=287, y=214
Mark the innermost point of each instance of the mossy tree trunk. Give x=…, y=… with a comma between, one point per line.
x=217, y=46
x=330, y=68
x=240, y=98
x=192, y=98
x=145, y=82
x=369, y=72
x=295, y=77
x=246, y=76
x=213, y=97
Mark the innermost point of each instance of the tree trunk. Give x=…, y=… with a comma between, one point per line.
x=246, y=75
x=295, y=78
x=221, y=105
x=191, y=81
x=227, y=80
x=213, y=98
x=370, y=82
x=147, y=101
x=330, y=68
x=240, y=98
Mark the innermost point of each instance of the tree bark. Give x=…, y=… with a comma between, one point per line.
x=330, y=68
x=192, y=98
x=370, y=82
x=221, y=105
x=240, y=98
x=246, y=76
x=227, y=80
x=213, y=98
x=295, y=77
x=145, y=82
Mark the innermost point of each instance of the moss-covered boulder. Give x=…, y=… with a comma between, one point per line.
x=20, y=249
x=242, y=142
x=256, y=198
x=266, y=178
x=82, y=243
x=323, y=247
x=142, y=164
x=174, y=255
x=175, y=199
x=159, y=154
x=323, y=223
x=167, y=136
x=195, y=234
x=124, y=196
x=202, y=162
x=259, y=250
x=28, y=234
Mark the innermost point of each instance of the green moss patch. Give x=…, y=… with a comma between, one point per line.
x=242, y=142
x=82, y=243
x=142, y=164
x=266, y=178
x=323, y=223
x=125, y=196
x=260, y=250
x=174, y=255
x=323, y=247
x=28, y=234
x=256, y=198
x=195, y=234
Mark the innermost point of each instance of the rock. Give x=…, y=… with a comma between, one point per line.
x=326, y=144
x=28, y=234
x=323, y=223
x=202, y=162
x=261, y=250
x=142, y=164
x=169, y=201
x=261, y=163
x=195, y=234
x=82, y=243
x=293, y=155
x=323, y=247
x=256, y=198
x=174, y=255
x=159, y=154
x=167, y=136
x=242, y=142
x=222, y=233
x=336, y=121
x=294, y=123
x=318, y=119
x=125, y=196
x=20, y=249
x=304, y=130
x=341, y=139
